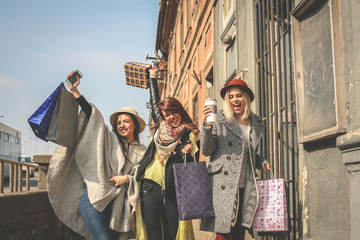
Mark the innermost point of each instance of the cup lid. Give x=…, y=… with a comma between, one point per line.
x=210, y=99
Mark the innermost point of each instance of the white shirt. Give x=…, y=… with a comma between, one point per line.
x=245, y=131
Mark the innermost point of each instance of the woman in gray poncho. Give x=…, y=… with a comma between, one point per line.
x=95, y=192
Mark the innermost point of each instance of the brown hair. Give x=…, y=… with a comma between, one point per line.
x=121, y=138
x=173, y=105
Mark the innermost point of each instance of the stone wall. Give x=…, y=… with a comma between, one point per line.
x=326, y=192
x=29, y=215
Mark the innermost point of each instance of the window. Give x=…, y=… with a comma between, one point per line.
x=227, y=10
x=195, y=9
x=195, y=110
x=185, y=89
x=210, y=78
x=208, y=37
x=231, y=59
x=320, y=105
x=174, y=55
x=188, y=12
x=6, y=137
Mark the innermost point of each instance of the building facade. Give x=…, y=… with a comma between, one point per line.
x=10, y=146
x=300, y=59
x=10, y=143
x=185, y=39
x=298, y=56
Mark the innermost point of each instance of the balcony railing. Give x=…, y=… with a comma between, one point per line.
x=16, y=175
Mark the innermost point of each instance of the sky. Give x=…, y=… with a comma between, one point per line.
x=41, y=41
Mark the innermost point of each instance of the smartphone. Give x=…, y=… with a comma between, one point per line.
x=71, y=80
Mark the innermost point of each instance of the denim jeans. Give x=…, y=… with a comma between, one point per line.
x=155, y=210
x=97, y=222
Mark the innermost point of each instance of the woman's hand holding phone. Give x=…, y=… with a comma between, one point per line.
x=73, y=84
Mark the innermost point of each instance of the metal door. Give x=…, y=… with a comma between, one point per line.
x=276, y=100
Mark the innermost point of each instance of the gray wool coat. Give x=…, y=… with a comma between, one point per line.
x=223, y=141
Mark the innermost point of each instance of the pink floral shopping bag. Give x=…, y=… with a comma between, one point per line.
x=271, y=214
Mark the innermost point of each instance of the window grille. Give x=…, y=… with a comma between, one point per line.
x=275, y=97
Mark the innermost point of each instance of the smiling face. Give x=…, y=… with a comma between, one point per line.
x=125, y=126
x=237, y=100
x=173, y=118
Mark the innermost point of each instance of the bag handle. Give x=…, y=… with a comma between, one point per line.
x=271, y=174
x=184, y=159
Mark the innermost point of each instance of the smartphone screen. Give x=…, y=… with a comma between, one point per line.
x=71, y=80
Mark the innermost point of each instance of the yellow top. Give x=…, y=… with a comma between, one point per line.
x=193, y=139
x=155, y=171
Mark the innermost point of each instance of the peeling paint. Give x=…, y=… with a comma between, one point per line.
x=351, y=86
x=304, y=179
x=305, y=211
x=306, y=218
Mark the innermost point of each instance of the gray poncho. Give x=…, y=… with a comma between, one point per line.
x=97, y=157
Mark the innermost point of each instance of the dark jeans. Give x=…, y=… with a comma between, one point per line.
x=97, y=222
x=155, y=210
x=237, y=232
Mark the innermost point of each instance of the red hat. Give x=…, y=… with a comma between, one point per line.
x=237, y=83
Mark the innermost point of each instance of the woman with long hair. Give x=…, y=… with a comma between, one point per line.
x=92, y=186
x=175, y=137
x=232, y=144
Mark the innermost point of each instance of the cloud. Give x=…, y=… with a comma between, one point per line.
x=7, y=82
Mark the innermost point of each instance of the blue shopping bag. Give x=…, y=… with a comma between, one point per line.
x=40, y=120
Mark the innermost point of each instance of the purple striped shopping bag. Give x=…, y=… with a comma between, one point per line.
x=193, y=190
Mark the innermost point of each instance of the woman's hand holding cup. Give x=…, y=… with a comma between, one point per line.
x=206, y=113
x=209, y=110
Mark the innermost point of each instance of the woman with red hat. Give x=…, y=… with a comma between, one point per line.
x=232, y=144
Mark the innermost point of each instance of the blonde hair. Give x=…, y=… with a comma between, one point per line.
x=229, y=111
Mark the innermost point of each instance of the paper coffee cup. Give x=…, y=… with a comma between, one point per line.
x=212, y=104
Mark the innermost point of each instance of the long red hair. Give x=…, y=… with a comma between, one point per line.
x=173, y=105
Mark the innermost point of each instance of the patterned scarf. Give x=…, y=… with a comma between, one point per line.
x=167, y=134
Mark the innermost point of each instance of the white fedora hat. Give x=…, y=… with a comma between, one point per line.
x=131, y=111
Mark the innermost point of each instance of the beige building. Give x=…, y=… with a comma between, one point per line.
x=185, y=40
